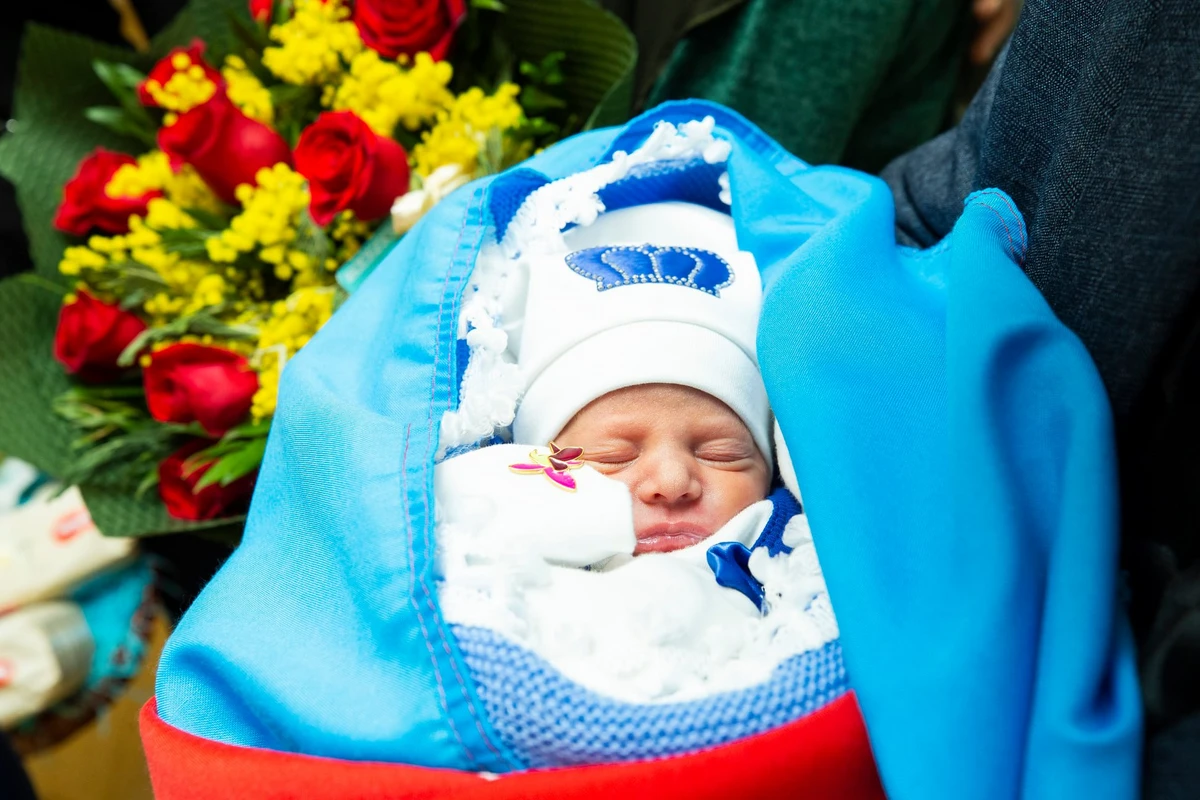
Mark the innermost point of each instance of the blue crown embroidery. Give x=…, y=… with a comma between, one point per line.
x=628, y=265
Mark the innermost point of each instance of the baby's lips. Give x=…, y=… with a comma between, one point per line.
x=666, y=542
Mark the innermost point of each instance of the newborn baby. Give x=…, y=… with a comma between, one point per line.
x=618, y=537
x=690, y=463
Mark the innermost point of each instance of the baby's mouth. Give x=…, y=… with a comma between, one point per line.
x=668, y=536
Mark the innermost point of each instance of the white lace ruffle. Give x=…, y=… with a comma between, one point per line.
x=538, y=224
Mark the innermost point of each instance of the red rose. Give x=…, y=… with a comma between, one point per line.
x=261, y=10
x=178, y=490
x=348, y=165
x=90, y=336
x=167, y=67
x=86, y=205
x=197, y=383
x=225, y=146
x=395, y=27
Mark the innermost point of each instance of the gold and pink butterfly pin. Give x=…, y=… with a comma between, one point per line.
x=556, y=465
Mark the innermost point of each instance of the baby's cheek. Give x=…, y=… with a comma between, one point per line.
x=733, y=491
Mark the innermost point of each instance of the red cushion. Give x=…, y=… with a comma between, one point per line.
x=825, y=754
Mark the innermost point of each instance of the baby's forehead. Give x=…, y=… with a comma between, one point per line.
x=658, y=403
x=651, y=396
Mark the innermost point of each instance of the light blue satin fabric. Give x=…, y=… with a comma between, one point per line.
x=952, y=442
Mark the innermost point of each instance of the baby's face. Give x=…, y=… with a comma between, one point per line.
x=688, y=460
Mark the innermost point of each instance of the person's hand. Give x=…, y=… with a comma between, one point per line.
x=994, y=21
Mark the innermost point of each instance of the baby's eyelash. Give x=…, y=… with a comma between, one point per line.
x=723, y=453
x=610, y=458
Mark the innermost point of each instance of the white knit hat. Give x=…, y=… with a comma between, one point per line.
x=656, y=293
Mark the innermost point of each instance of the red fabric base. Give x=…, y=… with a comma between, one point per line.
x=824, y=755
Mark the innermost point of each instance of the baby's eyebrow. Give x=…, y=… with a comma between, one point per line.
x=607, y=446
x=721, y=428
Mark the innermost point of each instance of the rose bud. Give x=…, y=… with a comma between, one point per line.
x=349, y=166
x=407, y=27
x=184, y=502
x=225, y=147
x=197, y=383
x=91, y=335
x=86, y=204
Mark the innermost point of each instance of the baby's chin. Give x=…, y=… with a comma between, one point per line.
x=666, y=537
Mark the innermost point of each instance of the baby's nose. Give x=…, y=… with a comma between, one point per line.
x=669, y=481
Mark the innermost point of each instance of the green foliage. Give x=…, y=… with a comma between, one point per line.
x=130, y=118
x=312, y=240
x=294, y=105
x=131, y=281
x=230, y=459
x=209, y=21
x=120, y=443
x=524, y=41
x=55, y=83
x=122, y=512
x=122, y=80
x=119, y=121
x=200, y=323
x=597, y=74
x=30, y=378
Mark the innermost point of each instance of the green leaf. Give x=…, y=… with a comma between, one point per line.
x=101, y=409
x=546, y=73
x=200, y=323
x=30, y=378
x=312, y=240
x=281, y=10
x=252, y=35
x=250, y=430
x=119, y=121
x=209, y=220
x=54, y=287
x=601, y=53
x=409, y=139
x=121, y=512
x=535, y=100
x=186, y=242
x=208, y=20
x=126, y=278
x=149, y=482
x=122, y=80
x=285, y=94
x=235, y=464
x=489, y=5
x=55, y=83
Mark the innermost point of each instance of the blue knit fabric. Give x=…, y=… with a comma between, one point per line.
x=786, y=507
x=693, y=181
x=506, y=199
x=547, y=720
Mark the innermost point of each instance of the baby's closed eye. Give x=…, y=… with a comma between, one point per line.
x=610, y=455
x=725, y=451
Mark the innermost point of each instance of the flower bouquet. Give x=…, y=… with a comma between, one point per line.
x=197, y=213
